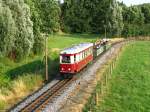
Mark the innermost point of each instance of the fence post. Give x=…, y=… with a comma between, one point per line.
x=97, y=98
x=106, y=78
x=102, y=87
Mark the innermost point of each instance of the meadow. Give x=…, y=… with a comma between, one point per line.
x=129, y=87
x=18, y=79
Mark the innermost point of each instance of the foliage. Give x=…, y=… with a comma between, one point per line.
x=22, y=85
x=50, y=15
x=76, y=16
x=45, y=15
x=92, y=16
x=136, y=20
x=38, y=45
x=146, y=11
x=22, y=24
x=17, y=32
x=107, y=13
x=7, y=30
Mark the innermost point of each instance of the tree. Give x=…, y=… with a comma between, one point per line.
x=38, y=45
x=19, y=33
x=92, y=15
x=145, y=8
x=7, y=30
x=45, y=15
x=76, y=16
x=133, y=20
x=50, y=15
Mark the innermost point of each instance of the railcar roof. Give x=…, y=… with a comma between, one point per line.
x=76, y=48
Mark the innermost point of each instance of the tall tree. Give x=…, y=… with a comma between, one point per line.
x=45, y=15
x=50, y=15
x=146, y=11
x=92, y=16
x=7, y=30
x=76, y=16
x=133, y=20
x=107, y=13
x=38, y=45
x=19, y=15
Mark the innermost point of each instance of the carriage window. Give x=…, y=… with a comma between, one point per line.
x=82, y=55
x=86, y=53
x=74, y=58
x=66, y=59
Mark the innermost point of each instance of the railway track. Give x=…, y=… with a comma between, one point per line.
x=46, y=98
x=39, y=104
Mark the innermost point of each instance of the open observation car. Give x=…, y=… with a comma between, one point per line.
x=100, y=46
x=75, y=58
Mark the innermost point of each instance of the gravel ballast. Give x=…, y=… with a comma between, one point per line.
x=88, y=81
x=66, y=101
x=34, y=96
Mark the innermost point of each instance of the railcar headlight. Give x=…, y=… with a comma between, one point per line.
x=69, y=69
x=62, y=68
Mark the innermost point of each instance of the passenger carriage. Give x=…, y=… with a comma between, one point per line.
x=75, y=58
x=100, y=46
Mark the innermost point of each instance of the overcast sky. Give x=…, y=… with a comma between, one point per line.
x=131, y=2
x=134, y=2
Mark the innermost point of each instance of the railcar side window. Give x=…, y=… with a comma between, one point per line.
x=66, y=59
x=82, y=55
x=74, y=58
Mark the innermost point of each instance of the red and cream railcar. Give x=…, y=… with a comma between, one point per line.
x=75, y=58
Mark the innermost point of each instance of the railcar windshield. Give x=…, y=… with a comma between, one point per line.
x=66, y=59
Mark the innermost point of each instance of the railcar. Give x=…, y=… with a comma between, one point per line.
x=75, y=58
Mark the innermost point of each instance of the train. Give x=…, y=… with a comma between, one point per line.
x=77, y=57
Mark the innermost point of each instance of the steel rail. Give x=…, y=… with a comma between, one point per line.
x=50, y=99
x=46, y=95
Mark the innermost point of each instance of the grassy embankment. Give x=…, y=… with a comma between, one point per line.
x=129, y=88
x=17, y=79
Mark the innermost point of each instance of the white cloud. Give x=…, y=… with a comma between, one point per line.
x=61, y=1
x=134, y=2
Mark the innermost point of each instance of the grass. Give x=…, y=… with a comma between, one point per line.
x=17, y=79
x=129, y=89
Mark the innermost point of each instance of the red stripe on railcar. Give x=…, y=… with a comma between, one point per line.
x=76, y=67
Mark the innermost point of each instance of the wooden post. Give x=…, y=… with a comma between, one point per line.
x=109, y=72
x=113, y=64
x=106, y=78
x=46, y=61
x=97, y=100
x=102, y=87
x=110, y=68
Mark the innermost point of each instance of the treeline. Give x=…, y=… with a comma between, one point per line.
x=21, y=24
x=16, y=29
x=23, y=21
x=96, y=16
x=136, y=20
x=92, y=16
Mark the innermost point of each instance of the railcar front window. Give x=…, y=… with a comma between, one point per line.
x=66, y=59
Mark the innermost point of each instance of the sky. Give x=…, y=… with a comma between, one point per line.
x=134, y=2
x=131, y=2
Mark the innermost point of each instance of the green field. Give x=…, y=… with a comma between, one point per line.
x=17, y=79
x=129, y=89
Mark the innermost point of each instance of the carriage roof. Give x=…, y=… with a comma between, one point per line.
x=76, y=48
